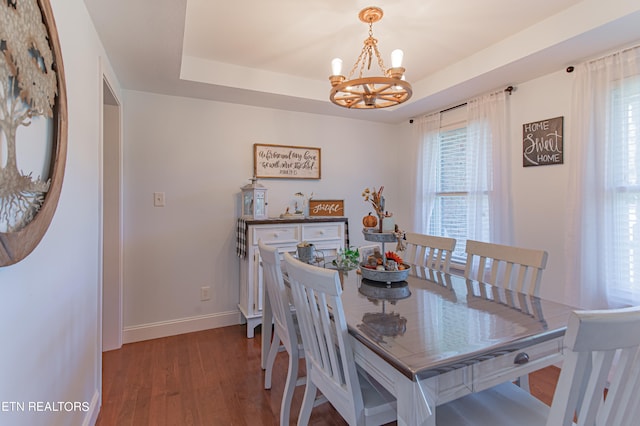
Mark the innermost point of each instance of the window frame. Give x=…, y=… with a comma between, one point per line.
x=453, y=121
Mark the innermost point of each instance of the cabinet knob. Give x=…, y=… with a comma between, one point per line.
x=521, y=359
x=276, y=235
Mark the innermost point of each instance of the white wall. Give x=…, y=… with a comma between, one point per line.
x=200, y=153
x=540, y=193
x=49, y=308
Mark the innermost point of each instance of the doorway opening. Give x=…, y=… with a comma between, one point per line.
x=112, y=270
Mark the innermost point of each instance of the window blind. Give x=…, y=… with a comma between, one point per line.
x=449, y=216
x=624, y=172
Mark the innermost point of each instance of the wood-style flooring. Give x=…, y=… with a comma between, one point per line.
x=213, y=377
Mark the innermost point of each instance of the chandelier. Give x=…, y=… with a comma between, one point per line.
x=382, y=91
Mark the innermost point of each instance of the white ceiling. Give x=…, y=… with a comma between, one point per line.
x=277, y=53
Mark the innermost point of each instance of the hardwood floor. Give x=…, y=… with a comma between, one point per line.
x=212, y=377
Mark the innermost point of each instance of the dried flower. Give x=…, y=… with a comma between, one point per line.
x=376, y=199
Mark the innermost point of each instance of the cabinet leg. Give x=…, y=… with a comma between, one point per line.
x=252, y=323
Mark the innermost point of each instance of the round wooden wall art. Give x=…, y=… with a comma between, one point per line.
x=33, y=125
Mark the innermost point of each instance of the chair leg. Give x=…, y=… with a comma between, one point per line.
x=523, y=382
x=273, y=351
x=289, y=388
x=307, y=403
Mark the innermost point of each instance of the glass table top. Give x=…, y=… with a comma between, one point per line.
x=434, y=322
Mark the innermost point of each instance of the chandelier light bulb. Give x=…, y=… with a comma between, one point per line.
x=336, y=66
x=396, y=58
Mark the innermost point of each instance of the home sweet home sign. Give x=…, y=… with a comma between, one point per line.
x=542, y=142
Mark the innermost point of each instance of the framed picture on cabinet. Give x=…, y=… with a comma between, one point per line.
x=326, y=208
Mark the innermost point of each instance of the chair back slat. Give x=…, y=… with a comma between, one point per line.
x=429, y=251
x=514, y=268
x=277, y=293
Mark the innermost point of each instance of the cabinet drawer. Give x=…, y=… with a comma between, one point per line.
x=491, y=372
x=324, y=231
x=276, y=234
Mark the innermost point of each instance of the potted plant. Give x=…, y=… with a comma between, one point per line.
x=347, y=259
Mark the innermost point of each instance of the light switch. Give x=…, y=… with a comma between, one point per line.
x=158, y=199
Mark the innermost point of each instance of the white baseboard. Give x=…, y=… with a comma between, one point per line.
x=94, y=409
x=184, y=325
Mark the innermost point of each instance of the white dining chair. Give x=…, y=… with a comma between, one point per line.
x=429, y=251
x=514, y=268
x=329, y=357
x=602, y=352
x=285, y=328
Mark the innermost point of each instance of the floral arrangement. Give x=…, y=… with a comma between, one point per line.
x=376, y=199
x=395, y=257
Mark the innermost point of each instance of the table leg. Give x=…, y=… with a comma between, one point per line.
x=267, y=321
x=415, y=401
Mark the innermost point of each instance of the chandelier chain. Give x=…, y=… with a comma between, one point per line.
x=366, y=55
x=375, y=49
x=380, y=62
x=359, y=61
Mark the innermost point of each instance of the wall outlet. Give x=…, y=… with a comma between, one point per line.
x=205, y=293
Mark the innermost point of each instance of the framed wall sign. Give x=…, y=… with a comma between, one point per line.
x=542, y=142
x=34, y=115
x=286, y=162
x=326, y=208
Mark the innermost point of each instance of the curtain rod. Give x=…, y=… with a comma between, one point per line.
x=453, y=107
x=509, y=90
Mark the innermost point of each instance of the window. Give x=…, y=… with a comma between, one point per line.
x=603, y=242
x=624, y=199
x=452, y=209
x=463, y=174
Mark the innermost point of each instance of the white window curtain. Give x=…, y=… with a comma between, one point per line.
x=426, y=133
x=488, y=135
x=604, y=186
x=488, y=169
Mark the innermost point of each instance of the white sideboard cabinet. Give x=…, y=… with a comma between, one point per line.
x=328, y=235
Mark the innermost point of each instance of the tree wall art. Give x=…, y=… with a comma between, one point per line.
x=33, y=125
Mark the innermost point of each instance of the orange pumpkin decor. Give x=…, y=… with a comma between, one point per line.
x=370, y=221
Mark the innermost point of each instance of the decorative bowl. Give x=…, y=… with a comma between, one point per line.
x=385, y=276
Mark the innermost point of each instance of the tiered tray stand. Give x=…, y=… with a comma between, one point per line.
x=387, y=277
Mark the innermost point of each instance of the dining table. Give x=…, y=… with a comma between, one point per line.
x=435, y=337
